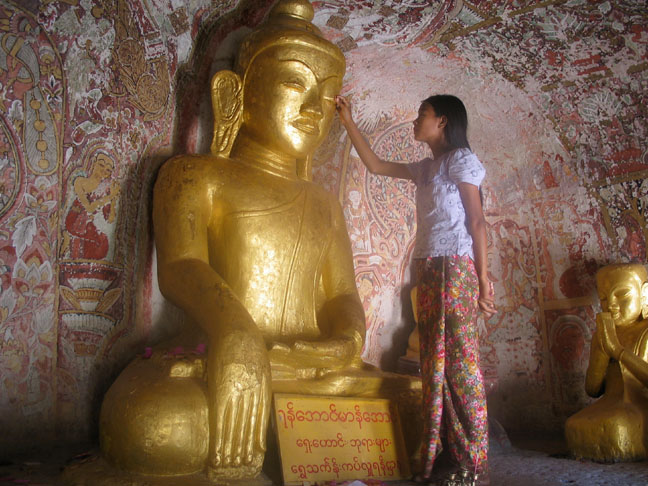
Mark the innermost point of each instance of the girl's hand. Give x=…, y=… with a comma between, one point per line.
x=343, y=108
x=487, y=298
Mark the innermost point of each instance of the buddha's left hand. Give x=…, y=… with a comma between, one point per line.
x=332, y=353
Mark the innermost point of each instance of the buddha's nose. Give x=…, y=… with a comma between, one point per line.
x=313, y=106
x=314, y=110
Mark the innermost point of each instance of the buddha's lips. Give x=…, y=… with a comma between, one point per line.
x=306, y=125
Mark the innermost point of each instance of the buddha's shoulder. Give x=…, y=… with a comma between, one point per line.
x=196, y=170
x=641, y=343
x=196, y=163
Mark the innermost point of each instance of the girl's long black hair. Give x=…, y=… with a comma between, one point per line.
x=456, y=130
x=454, y=110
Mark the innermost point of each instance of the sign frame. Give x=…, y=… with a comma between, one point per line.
x=325, y=438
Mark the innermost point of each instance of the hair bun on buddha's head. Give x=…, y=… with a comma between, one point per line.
x=289, y=24
x=301, y=9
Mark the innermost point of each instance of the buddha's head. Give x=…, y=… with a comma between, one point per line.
x=289, y=75
x=623, y=291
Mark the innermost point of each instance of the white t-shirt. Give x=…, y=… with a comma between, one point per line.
x=440, y=215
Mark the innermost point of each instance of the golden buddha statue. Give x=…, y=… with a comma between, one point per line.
x=259, y=259
x=615, y=427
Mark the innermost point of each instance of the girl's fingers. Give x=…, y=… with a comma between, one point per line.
x=487, y=306
x=341, y=101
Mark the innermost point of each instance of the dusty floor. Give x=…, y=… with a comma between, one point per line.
x=527, y=463
x=546, y=463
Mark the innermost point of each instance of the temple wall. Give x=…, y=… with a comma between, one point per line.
x=556, y=94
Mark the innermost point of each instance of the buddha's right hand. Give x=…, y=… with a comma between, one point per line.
x=239, y=382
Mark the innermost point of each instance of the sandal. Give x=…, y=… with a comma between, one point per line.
x=463, y=478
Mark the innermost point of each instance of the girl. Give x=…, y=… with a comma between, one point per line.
x=452, y=278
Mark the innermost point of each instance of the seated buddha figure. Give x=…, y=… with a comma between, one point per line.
x=259, y=259
x=615, y=427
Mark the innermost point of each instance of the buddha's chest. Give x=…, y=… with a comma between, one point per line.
x=272, y=220
x=275, y=228
x=271, y=251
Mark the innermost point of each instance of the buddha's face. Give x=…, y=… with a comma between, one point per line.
x=289, y=96
x=622, y=294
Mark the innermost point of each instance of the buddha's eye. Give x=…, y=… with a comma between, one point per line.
x=295, y=85
x=624, y=294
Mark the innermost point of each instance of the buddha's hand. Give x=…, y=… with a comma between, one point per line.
x=328, y=354
x=607, y=335
x=242, y=401
x=343, y=108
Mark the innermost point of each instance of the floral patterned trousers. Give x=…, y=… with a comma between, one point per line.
x=453, y=389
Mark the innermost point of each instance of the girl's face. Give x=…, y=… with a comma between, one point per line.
x=428, y=127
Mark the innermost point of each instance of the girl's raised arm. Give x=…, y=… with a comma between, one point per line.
x=367, y=155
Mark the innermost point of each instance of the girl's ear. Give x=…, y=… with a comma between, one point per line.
x=443, y=122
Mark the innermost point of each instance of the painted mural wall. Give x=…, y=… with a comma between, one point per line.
x=95, y=95
x=556, y=97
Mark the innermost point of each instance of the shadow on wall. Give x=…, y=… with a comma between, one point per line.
x=397, y=345
x=214, y=49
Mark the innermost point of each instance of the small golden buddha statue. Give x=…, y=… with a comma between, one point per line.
x=259, y=259
x=615, y=427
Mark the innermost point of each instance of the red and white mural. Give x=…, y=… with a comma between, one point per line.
x=95, y=95
x=555, y=94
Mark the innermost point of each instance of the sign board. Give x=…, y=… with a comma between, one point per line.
x=336, y=438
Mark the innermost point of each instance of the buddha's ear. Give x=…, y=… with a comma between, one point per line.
x=305, y=168
x=227, y=104
x=644, y=300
